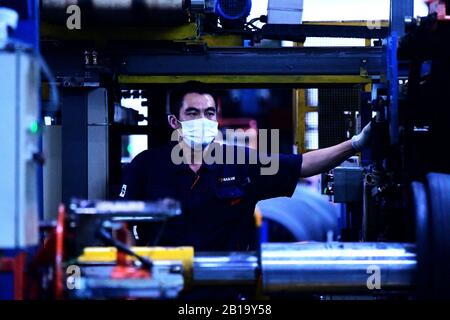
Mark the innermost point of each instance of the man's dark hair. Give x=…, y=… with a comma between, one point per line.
x=177, y=96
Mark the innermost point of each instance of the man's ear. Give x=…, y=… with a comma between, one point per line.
x=173, y=122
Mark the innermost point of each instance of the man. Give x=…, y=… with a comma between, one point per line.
x=218, y=200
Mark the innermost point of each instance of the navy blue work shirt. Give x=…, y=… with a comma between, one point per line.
x=217, y=202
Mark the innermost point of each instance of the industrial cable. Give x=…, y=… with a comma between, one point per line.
x=108, y=239
x=160, y=233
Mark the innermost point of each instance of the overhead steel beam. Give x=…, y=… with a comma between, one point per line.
x=258, y=61
x=299, y=32
x=246, y=79
x=225, y=65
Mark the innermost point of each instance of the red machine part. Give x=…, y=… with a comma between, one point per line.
x=129, y=272
x=124, y=268
x=49, y=255
x=123, y=236
x=52, y=253
x=16, y=265
x=59, y=252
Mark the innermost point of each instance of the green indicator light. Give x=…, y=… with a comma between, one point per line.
x=34, y=127
x=130, y=149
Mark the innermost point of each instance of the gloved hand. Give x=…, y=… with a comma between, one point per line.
x=362, y=140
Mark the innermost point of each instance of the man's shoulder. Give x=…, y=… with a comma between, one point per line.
x=142, y=156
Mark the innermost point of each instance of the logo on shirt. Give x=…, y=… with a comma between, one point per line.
x=226, y=179
x=123, y=191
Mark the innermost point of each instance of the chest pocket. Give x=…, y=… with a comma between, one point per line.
x=230, y=191
x=232, y=183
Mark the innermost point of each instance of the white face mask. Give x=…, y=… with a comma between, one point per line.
x=199, y=132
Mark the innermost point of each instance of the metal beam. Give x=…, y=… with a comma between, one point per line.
x=84, y=144
x=246, y=79
x=74, y=145
x=399, y=10
x=359, y=23
x=299, y=32
x=102, y=34
x=257, y=61
x=66, y=60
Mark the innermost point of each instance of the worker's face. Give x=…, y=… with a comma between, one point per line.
x=195, y=106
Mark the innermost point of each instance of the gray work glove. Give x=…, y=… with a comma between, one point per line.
x=362, y=140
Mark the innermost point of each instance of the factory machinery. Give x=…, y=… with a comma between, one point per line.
x=89, y=256
x=396, y=243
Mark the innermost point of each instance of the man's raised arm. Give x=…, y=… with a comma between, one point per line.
x=322, y=160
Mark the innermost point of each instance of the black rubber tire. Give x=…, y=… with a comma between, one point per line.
x=422, y=220
x=439, y=205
